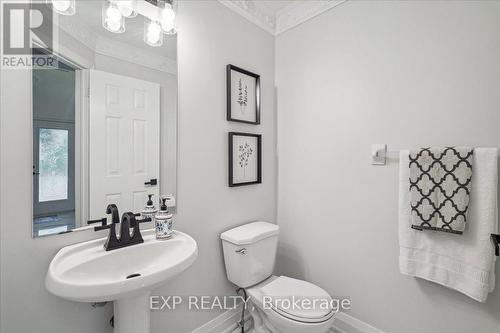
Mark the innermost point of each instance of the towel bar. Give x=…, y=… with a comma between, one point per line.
x=496, y=242
x=382, y=154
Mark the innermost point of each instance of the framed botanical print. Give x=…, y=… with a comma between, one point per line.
x=245, y=159
x=243, y=95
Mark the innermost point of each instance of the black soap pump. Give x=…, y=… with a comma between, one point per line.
x=164, y=221
x=150, y=210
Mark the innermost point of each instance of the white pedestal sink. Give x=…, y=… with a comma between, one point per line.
x=85, y=272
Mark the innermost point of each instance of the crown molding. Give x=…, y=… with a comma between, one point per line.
x=302, y=11
x=251, y=12
x=286, y=18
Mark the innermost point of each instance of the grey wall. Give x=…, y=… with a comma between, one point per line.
x=210, y=37
x=206, y=206
x=25, y=305
x=405, y=73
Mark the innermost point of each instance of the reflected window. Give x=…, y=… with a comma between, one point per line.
x=53, y=164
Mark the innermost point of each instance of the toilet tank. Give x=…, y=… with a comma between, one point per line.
x=250, y=252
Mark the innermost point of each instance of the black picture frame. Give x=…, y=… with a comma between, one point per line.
x=229, y=69
x=231, y=136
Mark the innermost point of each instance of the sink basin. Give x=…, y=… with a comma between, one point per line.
x=85, y=272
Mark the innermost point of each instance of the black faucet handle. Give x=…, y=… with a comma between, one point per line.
x=103, y=221
x=103, y=227
x=136, y=222
x=147, y=219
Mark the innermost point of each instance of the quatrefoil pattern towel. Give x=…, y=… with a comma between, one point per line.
x=440, y=183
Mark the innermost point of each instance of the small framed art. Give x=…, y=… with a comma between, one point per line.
x=243, y=95
x=245, y=159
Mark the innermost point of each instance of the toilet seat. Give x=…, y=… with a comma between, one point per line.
x=298, y=300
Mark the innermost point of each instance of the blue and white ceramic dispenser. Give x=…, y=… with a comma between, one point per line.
x=164, y=221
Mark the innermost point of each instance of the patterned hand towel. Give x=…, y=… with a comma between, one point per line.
x=440, y=183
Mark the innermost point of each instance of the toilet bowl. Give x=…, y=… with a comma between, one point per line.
x=277, y=304
x=272, y=306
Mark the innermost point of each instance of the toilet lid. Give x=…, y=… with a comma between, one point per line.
x=298, y=299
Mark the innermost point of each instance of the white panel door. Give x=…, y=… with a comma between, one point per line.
x=124, y=141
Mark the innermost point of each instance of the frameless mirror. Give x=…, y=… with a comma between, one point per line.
x=104, y=114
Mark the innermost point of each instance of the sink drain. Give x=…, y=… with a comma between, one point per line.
x=133, y=275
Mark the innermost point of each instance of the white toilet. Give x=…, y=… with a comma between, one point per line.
x=249, y=255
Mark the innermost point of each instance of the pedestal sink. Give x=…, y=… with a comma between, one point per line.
x=85, y=272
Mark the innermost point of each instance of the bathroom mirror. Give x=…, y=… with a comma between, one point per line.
x=104, y=114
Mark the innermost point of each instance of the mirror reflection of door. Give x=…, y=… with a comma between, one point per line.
x=124, y=144
x=54, y=91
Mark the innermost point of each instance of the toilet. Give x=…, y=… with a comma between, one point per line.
x=278, y=304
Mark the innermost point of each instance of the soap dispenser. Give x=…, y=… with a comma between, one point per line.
x=150, y=210
x=164, y=221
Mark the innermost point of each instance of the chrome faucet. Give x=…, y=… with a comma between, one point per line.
x=128, y=221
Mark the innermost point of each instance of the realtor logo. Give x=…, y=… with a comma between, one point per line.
x=27, y=27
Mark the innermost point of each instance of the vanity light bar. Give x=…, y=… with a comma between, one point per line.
x=160, y=15
x=149, y=9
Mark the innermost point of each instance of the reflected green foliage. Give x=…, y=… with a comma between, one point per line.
x=53, y=151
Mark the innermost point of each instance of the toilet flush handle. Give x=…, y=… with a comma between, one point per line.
x=241, y=251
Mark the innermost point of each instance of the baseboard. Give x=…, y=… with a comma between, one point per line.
x=227, y=322
x=345, y=323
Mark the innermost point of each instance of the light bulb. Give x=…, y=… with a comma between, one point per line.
x=153, y=35
x=154, y=32
x=64, y=7
x=61, y=5
x=167, y=18
x=112, y=19
x=113, y=14
x=153, y=38
x=126, y=8
x=154, y=28
x=113, y=25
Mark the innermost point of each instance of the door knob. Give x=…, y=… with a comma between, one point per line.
x=152, y=182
